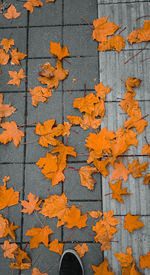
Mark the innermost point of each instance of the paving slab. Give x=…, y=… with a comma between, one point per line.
x=19, y=35
x=118, y=1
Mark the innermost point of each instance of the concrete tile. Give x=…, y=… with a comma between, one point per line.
x=73, y=11
x=4, y=78
x=20, y=21
x=83, y=234
x=134, y=68
x=9, y=153
x=73, y=188
x=48, y=14
x=34, y=68
x=45, y=111
x=115, y=1
x=47, y=261
x=79, y=41
x=17, y=100
x=84, y=70
x=44, y=35
x=5, y=264
x=124, y=15
x=92, y=257
x=36, y=183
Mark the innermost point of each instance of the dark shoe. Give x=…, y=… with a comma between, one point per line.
x=70, y=263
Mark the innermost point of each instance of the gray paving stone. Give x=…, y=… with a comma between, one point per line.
x=139, y=241
x=36, y=183
x=117, y=1
x=92, y=257
x=17, y=100
x=48, y=14
x=46, y=261
x=17, y=22
x=34, y=68
x=83, y=234
x=45, y=111
x=9, y=153
x=73, y=188
x=4, y=78
x=134, y=68
x=73, y=11
x=79, y=41
x=5, y=265
x=84, y=70
x=124, y=15
x=19, y=36
x=39, y=40
x=135, y=202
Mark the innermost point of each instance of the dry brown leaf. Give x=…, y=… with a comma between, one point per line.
x=125, y=259
x=7, y=43
x=37, y=272
x=4, y=57
x=56, y=246
x=30, y=4
x=136, y=168
x=131, y=83
x=116, y=42
x=16, y=57
x=12, y=13
x=30, y=205
x=102, y=269
x=74, y=218
x=118, y=191
x=131, y=223
x=8, y=197
x=6, y=110
x=39, y=235
x=9, y=249
x=11, y=133
x=16, y=77
x=145, y=261
x=120, y=171
x=40, y=94
x=7, y=228
x=86, y=178
x=81, y=249
x=101, y=90
x=95, y=214
x=138, y=35
x=60, y=52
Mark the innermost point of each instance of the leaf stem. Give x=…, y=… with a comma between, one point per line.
x=84, y=90
x=72, y=168
x=136, y=54
x=108, y=194
x=85, y=20
x=70, y=234
x=22, y=125
x=67, y=61
x=142, y=60
x=122, y=30
x=142, y=17
x=38, y=219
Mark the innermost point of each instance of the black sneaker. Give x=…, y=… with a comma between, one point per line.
x=70, y=263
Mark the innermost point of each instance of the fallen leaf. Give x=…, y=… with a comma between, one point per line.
x=74, y=218
x=103, y=29
x=125, y=259
x=86, y=104
x=39, y=235
x=40, y=94
x=101, y=90
x=60, y=52
x=9, y=249
x=7, y=43
x=8, y=197
x=101, y=166
x=116, y=42
x=109, y=220
x=95, y=214
x=7, y=228
x=4, y=57
x=146, y=150
x=16, y=57
x=136, y=168
x=89, y=121
x=131, y=223
x=120, y=171
x=16, y=77
x=30, y=205
x=47, y=1
x=102, y=269
x=86, y=178
x=138, y=35
x=81, y=249
x=146, y=179
x=37, y=272
x=118, y=191
x=55, y=246
x=145, y=261
x=19, y=264
x=76, y=120
x=30, y=4
x=6, y=110
x=11, y=133
x=12, y=13
x=133, y=270
x=131, y=83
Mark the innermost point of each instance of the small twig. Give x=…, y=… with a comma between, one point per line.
x=144, y=116
x=29, y=142
x=67, y=140
x=84, y=90
x=38, y=219
x=72, y=168
x=36, y=259
x=122, y=30
x=136, y=54
x=83, y=154
x=22, y=125
x=76, y=132
x=114, y=242
x=67, y=61
x=108, y=194
x=70, y=234
x=25, y=246
x=85, y=20
x=142, y=17
x=147, y=141
x=142, y=60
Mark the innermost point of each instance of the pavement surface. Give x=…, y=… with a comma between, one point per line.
x=64, y=22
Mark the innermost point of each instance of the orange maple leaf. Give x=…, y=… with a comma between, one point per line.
x=55, y=206
x=40, y=94
x=103, y=29
x=9, y=249
x=85, y=173
x=86, y=104
x=81, y=249
x=7, y=43
x=99, y=108
x=17, y=76
x=39, y=235
x=12, y=13
x=55, y=246
x=132, y=82
x=116, y=42
x=146, y=179
x=31, y=205
x=16, y=57
x=74, y=218
x=145, y=260
x=89, y=121
x=101, y=90
x=101, y=166
x=4, y=57
x=120, y=171
x=7, y=228
x=19, y=264
x=95, y=214
x=102, y=268
x=76, y=120
x=138, y=35
x=125, y=259
x=146, y=150
x=30, y=4
x=136, y=168
x=11, y=133
x=118, y=191
x=37, y=272
x=8, y=197
x=131, y=223
x=6, y=110
x=47, y=1
x=109, y=220
x=128, y=103
x=60, y=52
x=136, y=121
